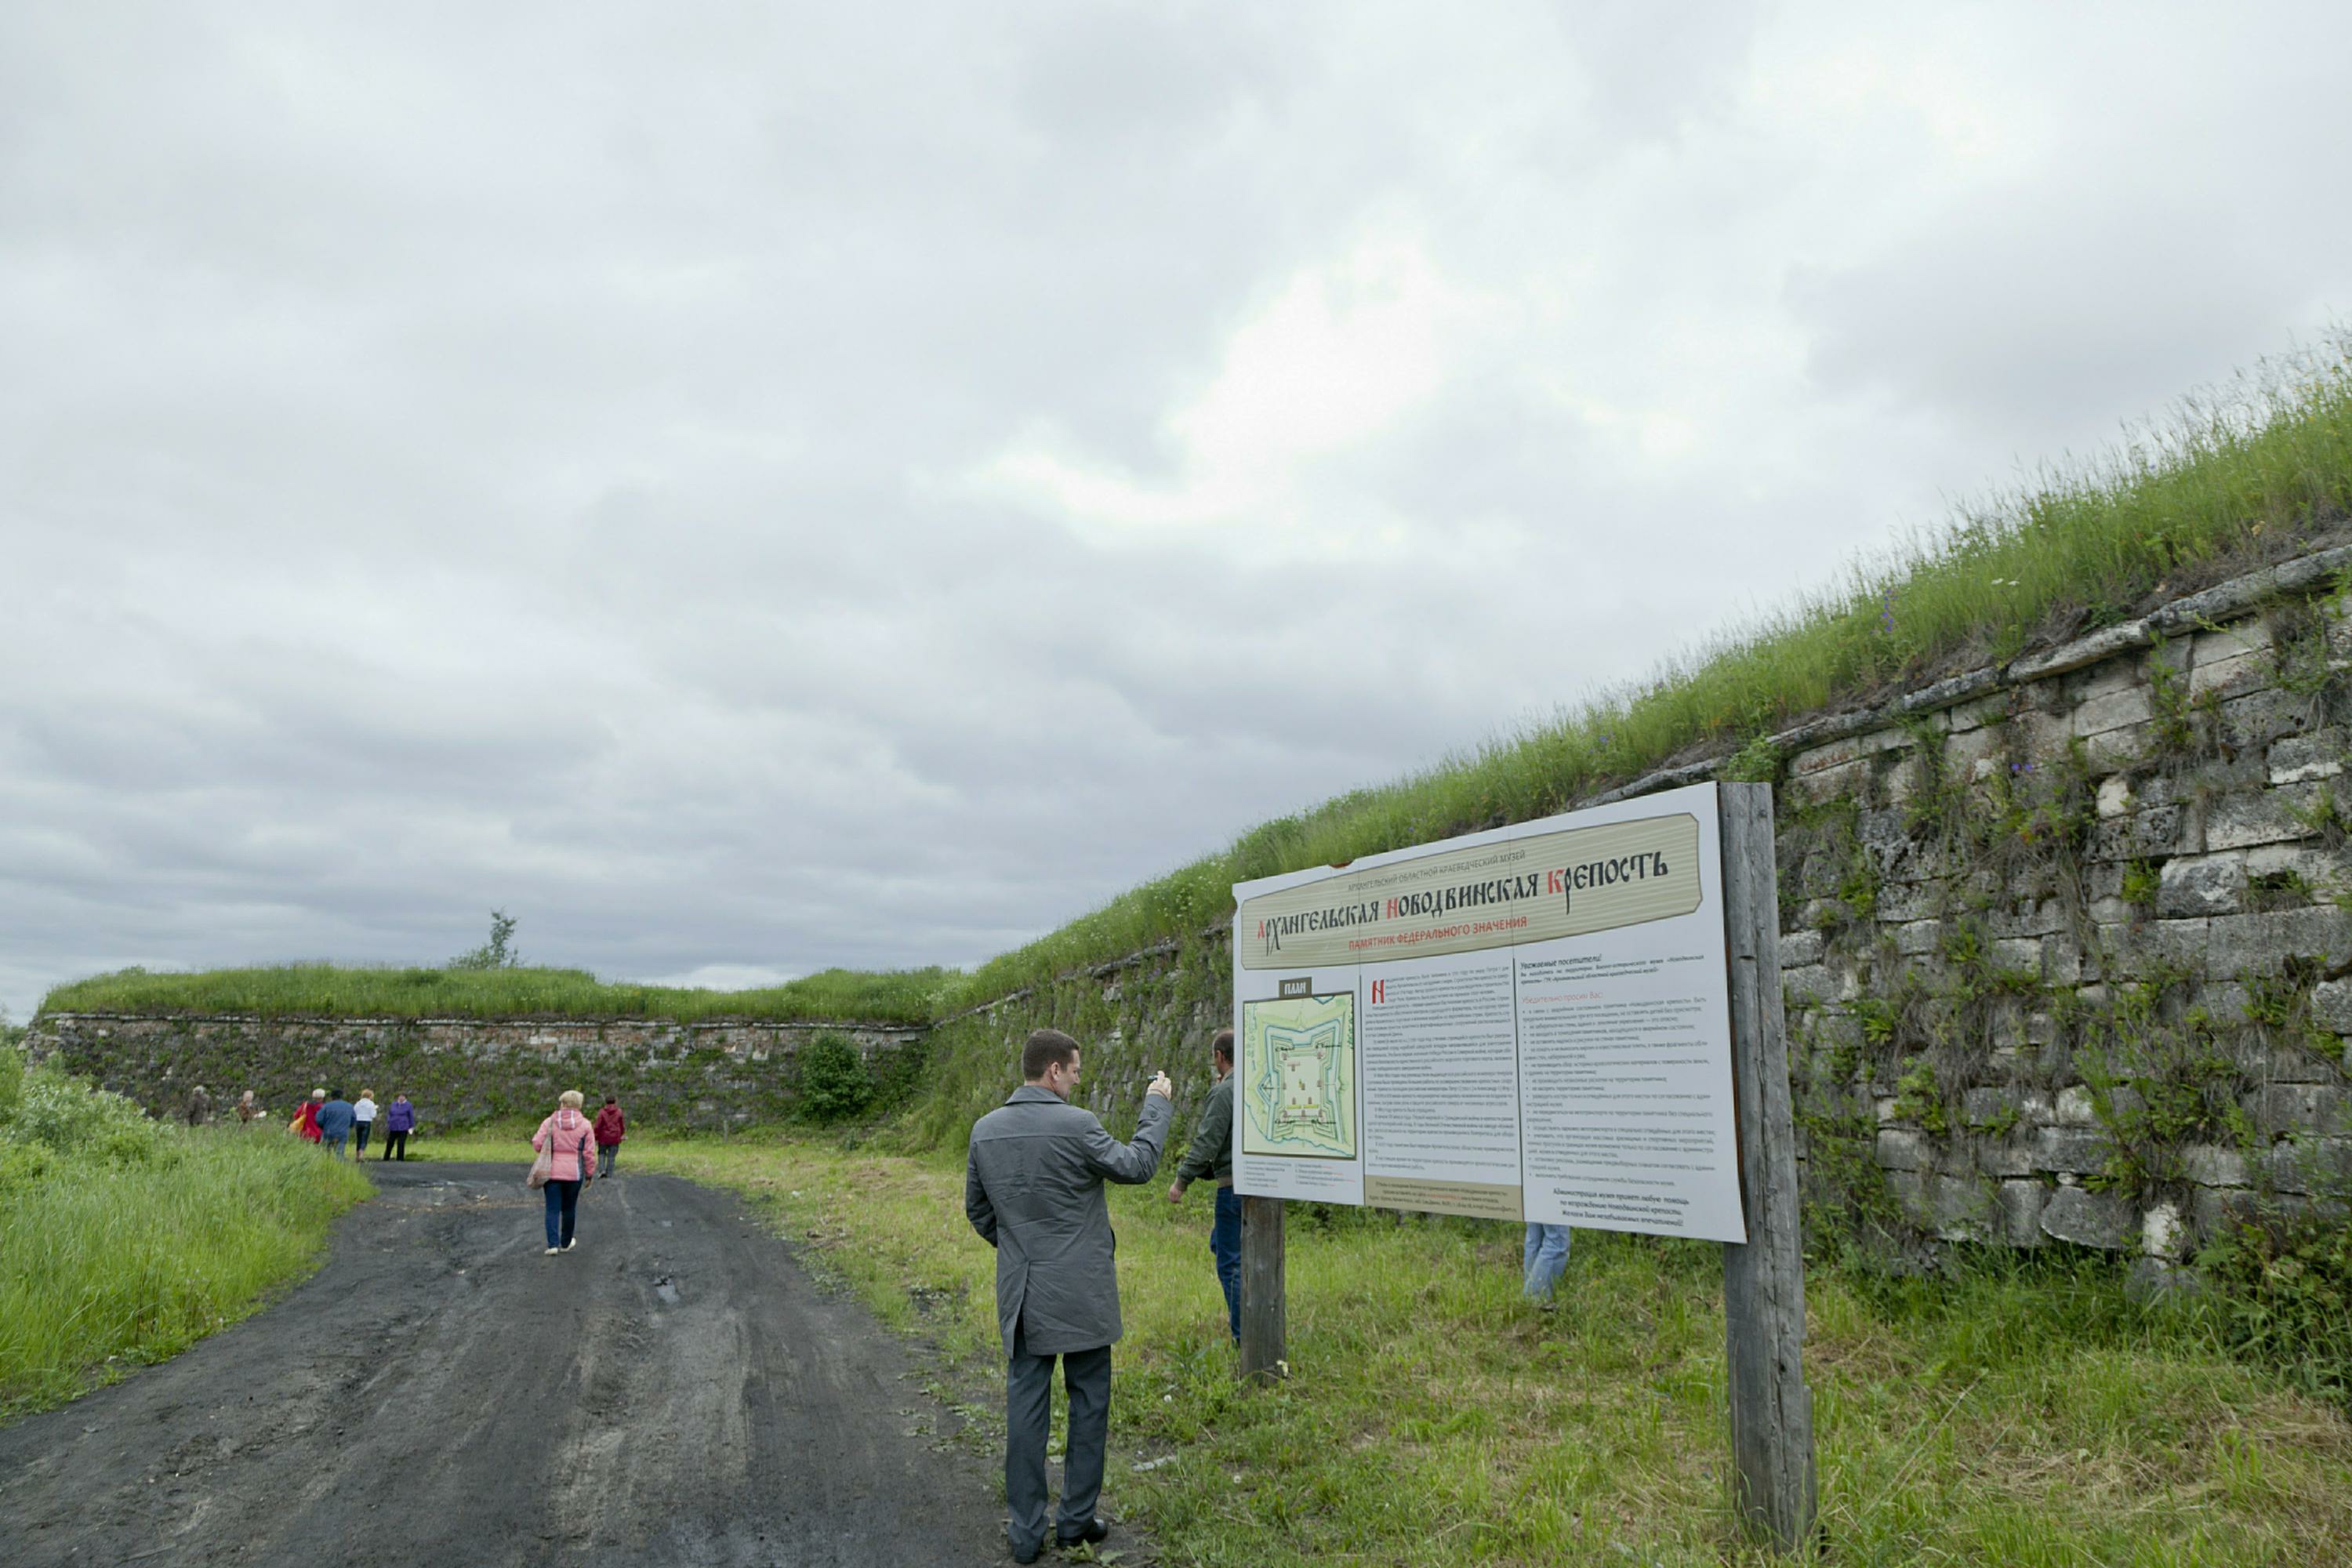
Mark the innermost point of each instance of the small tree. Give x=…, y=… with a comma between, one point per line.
x=835, y=1082
x=495, y=954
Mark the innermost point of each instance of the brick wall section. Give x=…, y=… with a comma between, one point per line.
x=460, y=1071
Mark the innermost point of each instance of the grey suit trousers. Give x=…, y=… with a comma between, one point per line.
x=1028, y=1416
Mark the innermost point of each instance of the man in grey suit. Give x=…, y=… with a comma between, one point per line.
x=1033, y=1189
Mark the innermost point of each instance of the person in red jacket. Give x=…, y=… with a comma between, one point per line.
x=610, y=1125
x=306, y=1122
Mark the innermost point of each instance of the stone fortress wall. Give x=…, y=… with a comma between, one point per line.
x=2066, y=942
x=461, y=1071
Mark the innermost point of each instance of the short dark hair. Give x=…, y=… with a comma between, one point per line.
x=1223, y=1045
x=611, y=1100
x=1046, y=1048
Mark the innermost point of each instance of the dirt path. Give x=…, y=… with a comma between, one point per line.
x=675, y=1391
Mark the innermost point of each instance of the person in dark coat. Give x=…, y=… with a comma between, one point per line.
x=200, y=1106
x=1034, y=1190
x=1211, y=1158
x=611, y=1128
x=399, y=1121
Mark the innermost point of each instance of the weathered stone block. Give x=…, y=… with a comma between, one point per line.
x=1799, y=948
x=1918, y=937
x=2016, y=954
x=2041, y=737
x=2213, y=1165
x=2114, y=710
x=2142, y=835
x=2072, y=1150
x=1963, y=1207
x=2251, y=723
x=2028, y=917
x=2214, y=1208
x=2260, y=817
x=2163, y=1231
x=2298, y=759
x=2262, y=943
x=1843, y=754
x=2115, y=797
x=1980, y=1107
x=2005, y=1156
x=1807, y=985
x=2312, y=1166
x=2280, y=1108
x=2331, y=1006
x=2136, y=949
x=1900, y=1149
x=2021, y=1203
x=2202, y=884
x=2090, y=1219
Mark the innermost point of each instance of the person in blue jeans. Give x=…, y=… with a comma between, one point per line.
x=1212, y=1155
x=335, y=1119
x=1543, y=1260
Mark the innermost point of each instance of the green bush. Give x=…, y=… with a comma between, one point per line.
x=2282, y=1295
x=69, y=1116
x=836, y=1083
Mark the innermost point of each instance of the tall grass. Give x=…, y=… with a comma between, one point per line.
x=123, y=1241
x=2019, y=1411
x=326, y=990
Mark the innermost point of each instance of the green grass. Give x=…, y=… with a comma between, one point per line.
x=2025, y=1412
x=124, y=1241
x=327, y=990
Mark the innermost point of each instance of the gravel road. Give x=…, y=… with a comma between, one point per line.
x=675, y=1391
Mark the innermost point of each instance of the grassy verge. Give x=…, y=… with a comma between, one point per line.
x=328, y=989
x=2024, y=1413
x=123, y=1241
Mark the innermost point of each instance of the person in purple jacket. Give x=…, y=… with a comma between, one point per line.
x=399, y=1121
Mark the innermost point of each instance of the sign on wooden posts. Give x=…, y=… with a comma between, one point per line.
x=1575, y=1021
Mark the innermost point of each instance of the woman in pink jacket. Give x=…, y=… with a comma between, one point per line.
x=573, y=1144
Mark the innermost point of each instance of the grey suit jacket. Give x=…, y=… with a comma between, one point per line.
x=1033, y=1189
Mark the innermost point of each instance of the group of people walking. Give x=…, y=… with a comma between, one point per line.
x=330, y=1120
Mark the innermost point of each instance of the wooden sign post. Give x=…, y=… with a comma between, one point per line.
x=1763, y=1278
x=1264, y=1309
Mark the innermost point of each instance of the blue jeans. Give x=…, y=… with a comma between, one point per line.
x=1225, y=1241
x=333, y=1144
x=562, y=1197
x=1544, y=1259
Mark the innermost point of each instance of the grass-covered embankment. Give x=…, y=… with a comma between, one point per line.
x=2235, y=480
x=2023, y=1413
x=123, y=1241
x=346, y=991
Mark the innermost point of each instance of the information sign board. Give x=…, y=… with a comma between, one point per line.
x=1531, y=1023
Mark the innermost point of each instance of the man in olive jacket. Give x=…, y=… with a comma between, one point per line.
x=1211, y=1157
x=1033, y=1189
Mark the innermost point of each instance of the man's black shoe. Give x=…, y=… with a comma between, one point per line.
x=1028, y=1556
x=1096, y=1530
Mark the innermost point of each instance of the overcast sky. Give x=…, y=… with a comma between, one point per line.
x=751, y=488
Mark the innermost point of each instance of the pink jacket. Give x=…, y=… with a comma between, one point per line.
x=575, y=1143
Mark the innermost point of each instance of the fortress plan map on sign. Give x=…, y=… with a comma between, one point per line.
x=1298, y=1077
